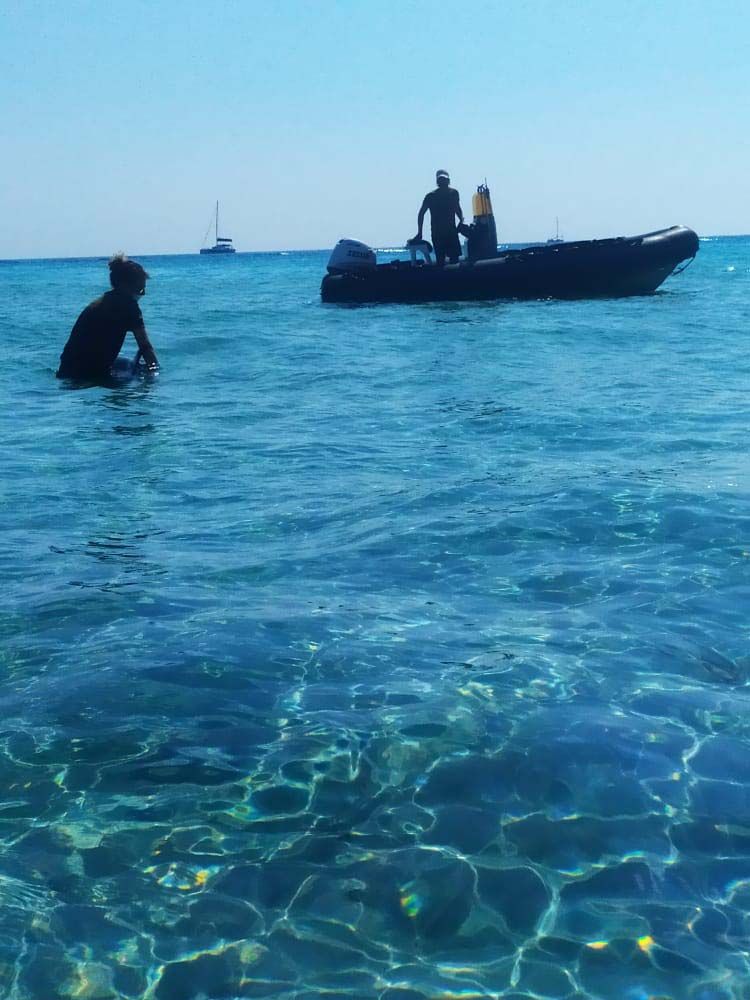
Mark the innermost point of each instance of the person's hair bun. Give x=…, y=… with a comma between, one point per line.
x=124, y=272
x=116, y=261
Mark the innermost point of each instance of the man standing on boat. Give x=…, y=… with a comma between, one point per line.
x=445, y=206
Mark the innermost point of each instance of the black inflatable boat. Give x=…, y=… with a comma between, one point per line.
x=633, y=265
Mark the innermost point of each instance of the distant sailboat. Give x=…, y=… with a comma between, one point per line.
x=557, y=238
x=223, y=244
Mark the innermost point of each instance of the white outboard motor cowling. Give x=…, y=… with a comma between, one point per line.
x=351, y=257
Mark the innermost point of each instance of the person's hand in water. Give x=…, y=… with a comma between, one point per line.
x=146, y=350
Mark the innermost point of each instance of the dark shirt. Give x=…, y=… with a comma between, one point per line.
x=98, y=335
x=443, y=205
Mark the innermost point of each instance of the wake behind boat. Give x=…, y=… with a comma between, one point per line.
x=621, y=266
x=222, y=244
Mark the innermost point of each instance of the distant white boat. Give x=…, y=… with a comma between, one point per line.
x=557, y=238
x=223, y=244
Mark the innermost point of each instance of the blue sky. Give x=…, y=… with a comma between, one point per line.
x=120, y=124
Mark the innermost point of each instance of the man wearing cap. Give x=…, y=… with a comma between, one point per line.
x=445, y=207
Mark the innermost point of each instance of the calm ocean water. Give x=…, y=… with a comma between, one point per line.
x=392, y=651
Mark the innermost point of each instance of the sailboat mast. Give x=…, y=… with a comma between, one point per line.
x=217, y=223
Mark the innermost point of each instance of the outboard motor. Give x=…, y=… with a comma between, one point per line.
x=351, y=257
x=482, y=240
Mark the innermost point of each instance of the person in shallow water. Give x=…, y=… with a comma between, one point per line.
x=445, y=206
x=99, y=332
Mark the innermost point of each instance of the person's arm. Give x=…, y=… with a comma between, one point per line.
x=459, y=212
x=144, y=346
x=420, y=219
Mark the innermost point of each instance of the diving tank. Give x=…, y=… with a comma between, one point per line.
x=482, y=243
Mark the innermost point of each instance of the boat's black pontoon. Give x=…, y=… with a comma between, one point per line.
x=633, y=265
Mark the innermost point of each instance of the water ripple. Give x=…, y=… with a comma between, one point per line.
x=390, y=652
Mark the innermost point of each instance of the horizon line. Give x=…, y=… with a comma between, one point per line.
x=285, y=250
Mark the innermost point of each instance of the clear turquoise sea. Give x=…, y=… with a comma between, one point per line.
x=393, y=652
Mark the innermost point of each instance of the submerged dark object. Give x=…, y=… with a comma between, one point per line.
x=634, y=265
